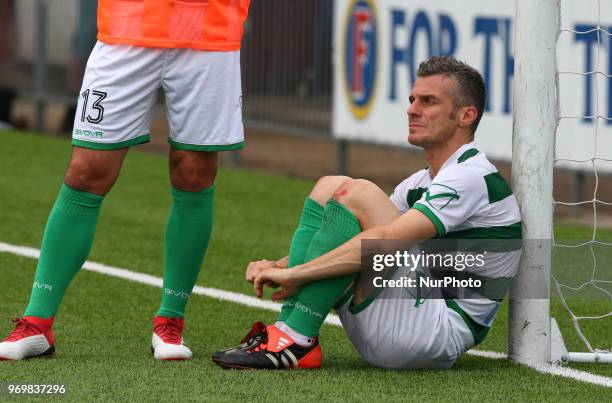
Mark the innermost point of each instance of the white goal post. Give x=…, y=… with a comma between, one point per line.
x=534, y=337
x=534, y=127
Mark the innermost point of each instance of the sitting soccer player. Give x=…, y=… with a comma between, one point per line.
x=460, y=195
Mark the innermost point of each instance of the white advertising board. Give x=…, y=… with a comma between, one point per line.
x=378, y=45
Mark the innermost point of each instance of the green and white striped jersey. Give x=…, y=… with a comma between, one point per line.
x=468, y=199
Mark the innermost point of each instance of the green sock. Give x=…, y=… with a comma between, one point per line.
x=310, y=222
x=187, y=234
x=66, y=243
x=315, y=300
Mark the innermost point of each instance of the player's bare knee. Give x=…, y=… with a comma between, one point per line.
x=94, y=171
x=326, y=186
x=193, y=179
x=89, y=178
x=192, y=171
x=353, y=192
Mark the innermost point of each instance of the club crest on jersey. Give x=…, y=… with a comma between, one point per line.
x=440, y=195
x=360, y=57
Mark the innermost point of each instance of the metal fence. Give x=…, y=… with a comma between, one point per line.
x=287, y=66
x=286, y=59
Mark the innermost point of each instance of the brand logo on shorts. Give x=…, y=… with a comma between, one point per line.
x=88, y=133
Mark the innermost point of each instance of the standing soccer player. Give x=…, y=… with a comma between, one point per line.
x=190, y=49
x=459, y=196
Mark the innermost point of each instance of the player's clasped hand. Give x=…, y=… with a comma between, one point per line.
x=254, y=268
x=275, y=278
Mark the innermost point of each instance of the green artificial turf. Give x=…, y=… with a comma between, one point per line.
x=103, y=329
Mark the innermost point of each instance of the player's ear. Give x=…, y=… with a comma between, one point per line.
x=467, y=115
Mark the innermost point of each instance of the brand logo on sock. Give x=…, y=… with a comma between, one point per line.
x=179, y=294
x=42, y=286
x=309, y=311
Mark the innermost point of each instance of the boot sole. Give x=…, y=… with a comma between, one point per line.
x=45, y=354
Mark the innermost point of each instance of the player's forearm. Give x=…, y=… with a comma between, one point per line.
x=344, y=260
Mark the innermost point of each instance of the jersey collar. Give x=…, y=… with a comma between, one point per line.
x=455, y=156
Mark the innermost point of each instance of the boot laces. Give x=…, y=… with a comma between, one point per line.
x=170, y=331
x=257, y=342
x=255, y=337
x=22, y=329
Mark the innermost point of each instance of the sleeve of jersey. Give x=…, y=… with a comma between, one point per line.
x=399, y=196
x=451, y=199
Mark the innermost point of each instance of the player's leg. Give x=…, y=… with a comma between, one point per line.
x=309, y=224
x=71, y=226
x=203, y=101
x=114, y=112
x=189, y=226
x=356, y=205
x=188, y=231
x=67, y=239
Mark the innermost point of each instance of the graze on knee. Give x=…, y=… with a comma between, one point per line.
x=326, y=186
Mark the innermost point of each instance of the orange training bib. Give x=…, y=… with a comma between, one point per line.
x=214, y=25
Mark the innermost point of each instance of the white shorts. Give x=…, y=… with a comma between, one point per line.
x=202, y=90
x=392, y=330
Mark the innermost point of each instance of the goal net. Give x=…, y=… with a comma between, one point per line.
x=562, y=166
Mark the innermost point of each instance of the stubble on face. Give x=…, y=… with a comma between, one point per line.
x=433, y=111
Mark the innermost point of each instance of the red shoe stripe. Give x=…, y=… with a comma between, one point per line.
x=277, y=340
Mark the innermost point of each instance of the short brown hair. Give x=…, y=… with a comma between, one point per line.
x=470, y=88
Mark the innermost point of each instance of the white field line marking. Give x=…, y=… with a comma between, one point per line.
x=494, y=355
x=158, y=282
x=574, y=374
x=148, y=279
